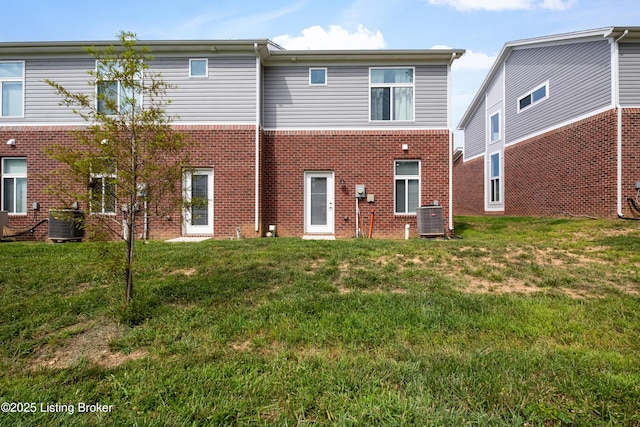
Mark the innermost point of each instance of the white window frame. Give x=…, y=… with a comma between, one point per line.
x=118, y=93
x=495, y=182
x=406, y=179
x=491, y=132
x=102, y=177
x=15, y=177
x=411, y=85
x=20, y=80
x=530, y=93
x=326, y=76
x=206, y=68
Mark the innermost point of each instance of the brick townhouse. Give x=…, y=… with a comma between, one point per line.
x=276, y=137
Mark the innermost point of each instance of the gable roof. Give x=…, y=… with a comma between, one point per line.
x=615, y=33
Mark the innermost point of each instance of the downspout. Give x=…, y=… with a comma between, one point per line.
x=257, y=137
x=616, y=77
x=453, y=58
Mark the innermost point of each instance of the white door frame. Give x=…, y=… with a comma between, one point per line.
x=326, y=225
x=207, y=227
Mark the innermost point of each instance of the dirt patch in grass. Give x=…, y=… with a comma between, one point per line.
x=87, y=340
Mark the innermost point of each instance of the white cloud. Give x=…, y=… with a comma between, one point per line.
x=497, y=5
x=471, y=60
x=336, y=37
x=474, y=61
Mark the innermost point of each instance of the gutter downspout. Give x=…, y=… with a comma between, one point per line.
x=616, y=77
x=257, y=136
x=453, y=58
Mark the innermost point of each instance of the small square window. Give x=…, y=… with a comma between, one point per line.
x=198, y=68
x=318, y=76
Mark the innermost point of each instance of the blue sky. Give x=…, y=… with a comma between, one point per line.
x=479, y=26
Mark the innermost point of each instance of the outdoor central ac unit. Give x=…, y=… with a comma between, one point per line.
x=65, y=225
x=430, y=222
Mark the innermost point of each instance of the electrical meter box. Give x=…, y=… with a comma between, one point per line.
x=360, y=193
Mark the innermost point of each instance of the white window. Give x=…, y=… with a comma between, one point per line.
x=198, y=67
x=11, y=89
x=317, y=76
x=537, y=95
x=102, y=187
x=113, y=96
x=494, y=122
x=407, y=186
x=391, y=94
x=14, y=185
x=494, y=179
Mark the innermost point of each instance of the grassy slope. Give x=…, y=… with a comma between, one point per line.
x=522, y=321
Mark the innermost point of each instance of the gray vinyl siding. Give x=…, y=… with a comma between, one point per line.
x=495, y=93
x=579, y=76
x=227, y=95
x=629, y=74
x=475, y=133
x=41, y=103
x=290, y=102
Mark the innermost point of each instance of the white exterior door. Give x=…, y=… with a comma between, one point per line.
x=198, y=193
x=318, y=202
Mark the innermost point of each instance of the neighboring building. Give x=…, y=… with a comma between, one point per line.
x=554, y=128
x=276, y=137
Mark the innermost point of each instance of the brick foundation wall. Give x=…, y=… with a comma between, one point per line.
x=468, y=186
x=358, y=157
x=568, y=170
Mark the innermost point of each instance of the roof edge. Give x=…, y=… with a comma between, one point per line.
x=604, y=32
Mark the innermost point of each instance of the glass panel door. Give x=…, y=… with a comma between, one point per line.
x=319, y=202
x=198, y=193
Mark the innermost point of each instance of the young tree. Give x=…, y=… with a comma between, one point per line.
x=128, y=158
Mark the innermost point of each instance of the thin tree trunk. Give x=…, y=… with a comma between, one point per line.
x=131, y=228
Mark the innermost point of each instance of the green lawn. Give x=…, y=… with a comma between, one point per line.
x=521, y=322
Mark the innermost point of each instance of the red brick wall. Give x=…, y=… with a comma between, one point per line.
x=571, y=169
x=631, y=157
x=568, y=170
x=468, y=186
x=229, y=150
x=358, y=157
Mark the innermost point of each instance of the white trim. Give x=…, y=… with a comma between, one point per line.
x=329, y=227
x=13, y=80
x=406, y=178
x=14, y=176
x=477, y=156
x=411, y=85
x=615, y=88
x=489, y=204
x=187, y=228
x=530, y=93
x=352, y=129
x=206, y=68
x=490, y=127
x=559, y=125
x=451, y=153
x=326, y=76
